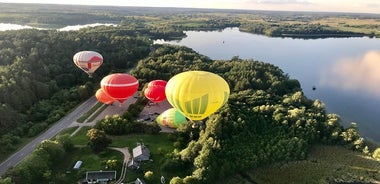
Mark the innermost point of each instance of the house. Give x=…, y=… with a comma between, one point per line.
x=95, y=177
x=133, y=164
x=141, y=153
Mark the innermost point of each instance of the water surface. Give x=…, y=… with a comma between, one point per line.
x=345, y=71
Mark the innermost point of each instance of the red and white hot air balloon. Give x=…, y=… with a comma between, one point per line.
x=119, y=86
x=88, y=61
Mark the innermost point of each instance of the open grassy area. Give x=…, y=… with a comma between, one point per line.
x=159, y=145
x=325, y=164
x=80, y=138
x=367, y=26
x=91, y=162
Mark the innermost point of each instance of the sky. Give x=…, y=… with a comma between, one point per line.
x=357, y=6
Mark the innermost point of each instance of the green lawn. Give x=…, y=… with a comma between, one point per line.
x=159, y=145
x=91, y=162
x=324, y=164
x=80, y=138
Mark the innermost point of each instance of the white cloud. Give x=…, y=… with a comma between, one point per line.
x=283, y=1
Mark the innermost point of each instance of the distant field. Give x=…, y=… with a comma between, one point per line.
x=352, y=24
x=325, y=164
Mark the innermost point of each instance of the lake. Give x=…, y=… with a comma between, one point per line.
x=344, y=71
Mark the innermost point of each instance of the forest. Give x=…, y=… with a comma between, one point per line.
x=266, y=120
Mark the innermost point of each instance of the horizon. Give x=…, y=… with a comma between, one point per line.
x=333, y=6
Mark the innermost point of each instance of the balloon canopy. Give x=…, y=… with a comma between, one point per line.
x=155, y=93
x=88, y=61
x=171, y=118
x=157, y=83
x=119, y=86
x=197, y=94
x=103, y=97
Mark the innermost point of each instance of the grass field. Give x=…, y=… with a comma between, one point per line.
x=325, y=164
x=159, y=145
x=91, y=162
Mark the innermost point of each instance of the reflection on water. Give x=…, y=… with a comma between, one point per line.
x=360, y=74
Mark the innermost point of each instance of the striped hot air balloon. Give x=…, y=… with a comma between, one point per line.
x=119, y=86
x=88, y=61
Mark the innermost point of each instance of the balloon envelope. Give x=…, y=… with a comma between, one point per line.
x=88, y=61
x=103, y=97
x=119, y=86
x=172, y=118
x=155, y=93
x=197, y=94
x=157, y=83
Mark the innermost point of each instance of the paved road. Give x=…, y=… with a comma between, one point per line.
x=50, y=133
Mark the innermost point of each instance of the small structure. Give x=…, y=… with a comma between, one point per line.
x=133, y=164
x=139, y=181
x=78, y=164
x=95, y=177
x=141, y=153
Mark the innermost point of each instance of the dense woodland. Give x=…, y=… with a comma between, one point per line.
x=39, y=83
x=267, y=118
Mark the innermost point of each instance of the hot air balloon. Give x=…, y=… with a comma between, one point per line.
x=197, y=94
x=103, y=97
x=88, y=61
x=155, y=94
x=157, y=83
x=119, y=86
x=171, y=118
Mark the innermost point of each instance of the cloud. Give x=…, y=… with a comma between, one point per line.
x=283, y=2
x=358, y=74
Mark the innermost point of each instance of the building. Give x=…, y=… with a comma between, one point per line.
x=77, y=164
x=133, y=164
x=139, y=181
x=100, y=177
x=141, y=153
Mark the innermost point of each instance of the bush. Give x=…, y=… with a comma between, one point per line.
x=376, y=154
x=148, y=175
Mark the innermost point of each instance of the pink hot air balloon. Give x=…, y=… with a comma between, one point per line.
x=119, y=86
x=88, y=61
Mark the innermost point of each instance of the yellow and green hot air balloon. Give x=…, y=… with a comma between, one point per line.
x=171, y=118
x=197, y=94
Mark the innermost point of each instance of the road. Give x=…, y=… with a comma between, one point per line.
x=48, y=134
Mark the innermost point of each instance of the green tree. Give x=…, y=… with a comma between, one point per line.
x=98, y=140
